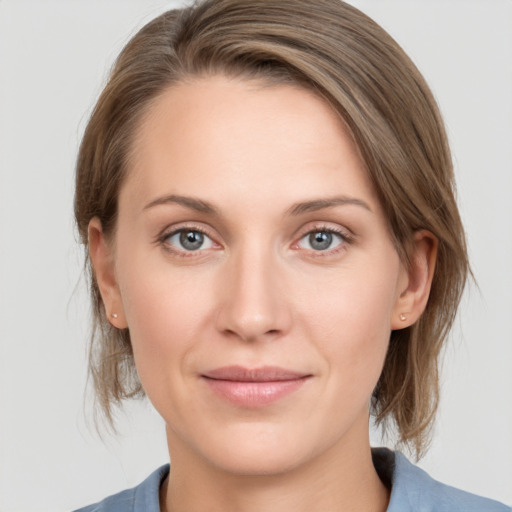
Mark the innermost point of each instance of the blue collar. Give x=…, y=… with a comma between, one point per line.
x=412, y=490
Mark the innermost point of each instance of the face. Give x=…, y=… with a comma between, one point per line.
x=254, y=269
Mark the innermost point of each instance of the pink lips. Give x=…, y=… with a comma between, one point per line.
x=256, y=387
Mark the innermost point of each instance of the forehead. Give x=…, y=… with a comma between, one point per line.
x=219, y=135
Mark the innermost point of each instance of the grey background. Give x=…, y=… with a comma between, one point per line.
x=54, y=56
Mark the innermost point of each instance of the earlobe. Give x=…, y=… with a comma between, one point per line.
x=418, y=280
x=102, y=260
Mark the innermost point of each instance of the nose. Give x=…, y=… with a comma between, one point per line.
x=252, y=304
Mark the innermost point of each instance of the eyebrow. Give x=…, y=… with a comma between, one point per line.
x=189, y=202
x=300, y=208
x=320, y=204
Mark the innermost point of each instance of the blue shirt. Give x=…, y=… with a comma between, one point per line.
x=412, y=490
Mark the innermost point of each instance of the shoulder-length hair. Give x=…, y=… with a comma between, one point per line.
x=333, y=49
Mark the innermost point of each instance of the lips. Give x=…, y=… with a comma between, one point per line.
x=254, y=387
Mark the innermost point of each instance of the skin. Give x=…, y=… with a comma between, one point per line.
x=258, y=293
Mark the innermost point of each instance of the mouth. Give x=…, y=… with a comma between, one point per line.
x=254, y=387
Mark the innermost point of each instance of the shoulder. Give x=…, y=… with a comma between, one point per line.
x=142, y=498
x=413, y=489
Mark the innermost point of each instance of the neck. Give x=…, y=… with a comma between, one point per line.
x=338, y=480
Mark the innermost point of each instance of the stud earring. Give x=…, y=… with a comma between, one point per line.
x=403, y=317
x=113, y=315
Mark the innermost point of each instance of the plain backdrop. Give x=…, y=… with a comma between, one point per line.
x=54, y=58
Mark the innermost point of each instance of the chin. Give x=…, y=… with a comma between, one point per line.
x=259, y=461
x=259, y=450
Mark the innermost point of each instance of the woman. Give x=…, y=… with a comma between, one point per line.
x=265, y=192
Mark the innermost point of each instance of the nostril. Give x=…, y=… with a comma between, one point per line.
x=252, y=336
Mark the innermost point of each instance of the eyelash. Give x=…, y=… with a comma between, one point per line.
x=162, y=240
x=345, y=236
x=346, y=239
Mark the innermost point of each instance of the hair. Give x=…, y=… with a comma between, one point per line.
x=336, y=51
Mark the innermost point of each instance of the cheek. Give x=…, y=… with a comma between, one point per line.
x=165, y=312
x=350, y=319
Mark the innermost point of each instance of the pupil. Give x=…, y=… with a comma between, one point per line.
x=320, y=240
x=191, y=240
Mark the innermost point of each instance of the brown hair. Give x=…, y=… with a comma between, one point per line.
x=335, y=50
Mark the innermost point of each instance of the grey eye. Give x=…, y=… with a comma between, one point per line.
x=320, y=240
x=190, y=240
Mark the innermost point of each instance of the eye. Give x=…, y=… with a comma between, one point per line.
x=189, y=240
x=321, y=240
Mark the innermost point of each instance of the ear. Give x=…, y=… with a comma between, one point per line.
x=416, y=281
x=102, y=259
